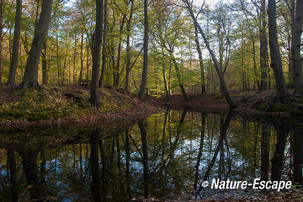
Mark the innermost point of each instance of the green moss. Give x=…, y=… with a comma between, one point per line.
x=54, y=102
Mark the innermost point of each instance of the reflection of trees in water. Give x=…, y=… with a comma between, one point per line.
x=165, y=155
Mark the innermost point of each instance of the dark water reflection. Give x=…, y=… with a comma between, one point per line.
x=166, y=155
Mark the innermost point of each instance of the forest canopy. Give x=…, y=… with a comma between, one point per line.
x=179, y=59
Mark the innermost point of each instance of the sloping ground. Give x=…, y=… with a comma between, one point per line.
x=67, y=104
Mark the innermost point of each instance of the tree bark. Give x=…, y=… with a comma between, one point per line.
x=1, y=38
x=44, y=65
x=145, y=54
x=104, y=47
x=229, y=100
x=200, y=61
x=17, y=32
x=96, y=54
x=128, y=29
x=276, y=63
x=30, y=78
x=263, y=48
x=296, y=46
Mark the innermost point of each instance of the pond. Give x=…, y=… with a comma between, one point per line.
x=165, y=156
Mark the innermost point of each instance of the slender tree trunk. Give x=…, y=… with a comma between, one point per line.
x=117, y=70
x=30, y=78
x=229, y=100
x=296, y=47
x=81, y=58
x=128, y=29
x=104, y=48
x=200, y=60
x=178, y=74
x=263, y=48
x=17, y=32
x=44, y=65
x=96, y=54
x=164, y=77
x=276, y=63
x=145, y=54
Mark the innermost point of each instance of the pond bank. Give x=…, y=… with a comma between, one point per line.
x=251, y=102
x=68, y=105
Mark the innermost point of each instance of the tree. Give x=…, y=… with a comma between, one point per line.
x=276, y=63
x=104, y=54
x=296, y=47
x=1, y=38
x=128, y=29
x=30, y=78
x=263, y=48
x=96, y=54
x=229, y=100
x=17, y=32
x=145, y=53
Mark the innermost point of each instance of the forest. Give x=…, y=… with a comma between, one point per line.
x=153, y=47
x=150, y=100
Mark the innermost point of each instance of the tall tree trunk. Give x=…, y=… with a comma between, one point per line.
x=178, y=74
x=296, y=47
x=30, y=78
x=96, y=54
x=229, y=100
x=276, y=63
x=44, y=65
x=1, y=38
x=145, y=53
x=81, y=58
x=200, y=60
x=128, y=29
x=263, y=48
x=17, y=32
x=104, y=53
x=117, y=70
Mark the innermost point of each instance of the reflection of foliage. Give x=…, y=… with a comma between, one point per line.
x=173, y=143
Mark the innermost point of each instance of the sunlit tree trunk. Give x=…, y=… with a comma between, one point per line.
x=17, y=32
x=145, y=53
x=229, y=100
x=30, y=78
x=200, y=60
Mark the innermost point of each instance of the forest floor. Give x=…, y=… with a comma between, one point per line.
x=252, y=102
x=68, y=105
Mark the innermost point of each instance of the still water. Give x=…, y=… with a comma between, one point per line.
x=165, y=156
